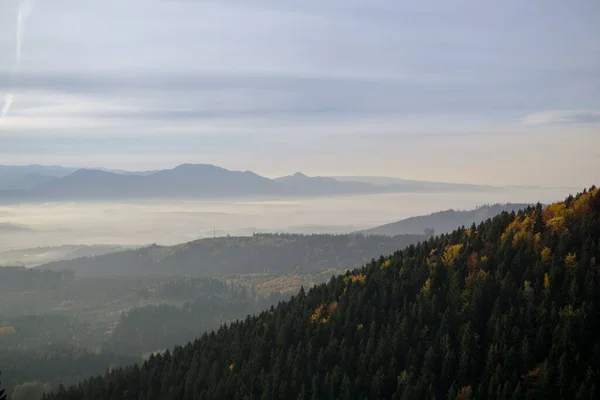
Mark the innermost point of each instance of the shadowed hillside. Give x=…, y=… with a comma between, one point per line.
x=261, y=253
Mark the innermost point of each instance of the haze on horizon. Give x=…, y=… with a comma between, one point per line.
x=477, y=92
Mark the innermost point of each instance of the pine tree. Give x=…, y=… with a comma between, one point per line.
x=2, y=392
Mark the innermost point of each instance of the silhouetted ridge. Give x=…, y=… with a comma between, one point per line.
x=38, y=183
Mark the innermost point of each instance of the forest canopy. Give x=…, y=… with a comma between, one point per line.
x=504, y=309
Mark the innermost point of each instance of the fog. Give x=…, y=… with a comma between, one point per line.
x=172, y=221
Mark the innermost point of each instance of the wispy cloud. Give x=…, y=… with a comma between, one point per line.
x=562, y=117
x=279, y=82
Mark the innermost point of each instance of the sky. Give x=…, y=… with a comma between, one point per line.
x=463, y=91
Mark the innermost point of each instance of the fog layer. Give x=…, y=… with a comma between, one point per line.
x=174, y=222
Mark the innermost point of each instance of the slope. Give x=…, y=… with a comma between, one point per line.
x=443, y=221
x=240, y=255
x=503, y=310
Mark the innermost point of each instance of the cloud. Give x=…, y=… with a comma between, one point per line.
x=280, y=82
x=562, y=117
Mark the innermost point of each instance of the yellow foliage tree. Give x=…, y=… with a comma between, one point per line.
x=556, y=224
x=426, y=289
x=316, y=316
x=571, y=261
x=322, y=313
x=450, y=254
x=546, y=254
x=553, y=211
x=546, y=282
x=360, y=278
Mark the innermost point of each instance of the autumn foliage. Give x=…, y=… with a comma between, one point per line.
x=450, y=254
x=322, y=313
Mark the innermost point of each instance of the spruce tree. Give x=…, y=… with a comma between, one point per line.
x=2, y=393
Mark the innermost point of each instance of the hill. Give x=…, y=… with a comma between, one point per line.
x=506, y=309
x=443, y=221
x=223, y=256
x=40, y=255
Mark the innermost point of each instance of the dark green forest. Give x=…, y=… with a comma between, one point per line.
x=60, y=327
x=57, y=328
x=162, y=326
x=505, y=309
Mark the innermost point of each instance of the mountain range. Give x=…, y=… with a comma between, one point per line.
x=51, y=183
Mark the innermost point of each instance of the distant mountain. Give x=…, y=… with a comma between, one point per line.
x=38, y=183
x=30, y=176
x=240, y=255
x=186, y=180
x=415, y=185
x=443, y=221
x=31, y=182
x=302, y=184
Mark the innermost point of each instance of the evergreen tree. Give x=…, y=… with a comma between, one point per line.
x=2, y=393
x=506, y=309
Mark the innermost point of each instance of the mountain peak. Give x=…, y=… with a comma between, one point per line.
x=196, y=166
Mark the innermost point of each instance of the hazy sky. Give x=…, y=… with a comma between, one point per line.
x=466, y=91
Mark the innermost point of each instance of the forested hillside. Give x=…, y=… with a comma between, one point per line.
x=264, y=253
x=506, y=309
x=55, y=327
x=444, y=221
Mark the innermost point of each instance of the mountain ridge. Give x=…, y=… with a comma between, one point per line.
x=39, y=183
x=444, y=221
